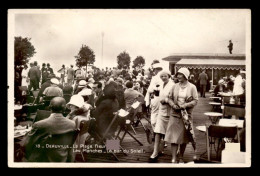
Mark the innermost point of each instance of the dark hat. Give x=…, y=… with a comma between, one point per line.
x=48, y=64
x=43, y=64
x=63, y=65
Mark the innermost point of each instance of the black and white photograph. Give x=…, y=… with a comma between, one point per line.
x=129, y=88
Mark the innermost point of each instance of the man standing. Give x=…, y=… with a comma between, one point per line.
x=203, y=77
x=70, y=75
x=44, y=73
x=230, y=46
x=49, y=69
x=34, y=77
x=40, y=75
x=62, y=73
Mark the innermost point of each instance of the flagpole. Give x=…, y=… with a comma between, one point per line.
x=102, y=49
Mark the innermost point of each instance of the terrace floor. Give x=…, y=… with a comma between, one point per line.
x=146, y=150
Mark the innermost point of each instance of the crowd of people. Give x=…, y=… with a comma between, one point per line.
x=99, y=93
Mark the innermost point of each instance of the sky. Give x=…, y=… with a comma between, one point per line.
x=57, y=35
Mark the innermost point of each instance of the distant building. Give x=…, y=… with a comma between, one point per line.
x=216, y=65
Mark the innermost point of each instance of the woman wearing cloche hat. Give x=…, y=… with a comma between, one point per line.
x=182, y=96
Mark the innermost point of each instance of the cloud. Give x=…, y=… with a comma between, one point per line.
x=153, y=34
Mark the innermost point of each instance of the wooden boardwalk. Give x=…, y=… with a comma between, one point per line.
x=146, y=150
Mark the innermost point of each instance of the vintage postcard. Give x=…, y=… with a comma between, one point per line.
x=129, y=88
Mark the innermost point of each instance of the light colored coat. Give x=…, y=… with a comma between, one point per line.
x=191, y=91
x=164, y=109
x=156, y=80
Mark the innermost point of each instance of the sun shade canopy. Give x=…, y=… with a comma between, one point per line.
x=211, y=63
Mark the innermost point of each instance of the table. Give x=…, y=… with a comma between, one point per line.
x=213, y=116
x=218, y=98
x=215, y=105
x=201, y=128
x=231, y=122
x=20, y=131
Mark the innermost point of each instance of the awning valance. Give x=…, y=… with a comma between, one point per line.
x=211, y=63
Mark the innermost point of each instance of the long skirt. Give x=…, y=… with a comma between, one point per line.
x=161, y=124
x=176, y=132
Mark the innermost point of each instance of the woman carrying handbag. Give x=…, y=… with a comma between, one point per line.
x=183, y=96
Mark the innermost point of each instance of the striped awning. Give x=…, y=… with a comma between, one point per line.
x=211, y=63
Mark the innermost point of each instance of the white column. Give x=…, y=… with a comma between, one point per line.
x=212, y=78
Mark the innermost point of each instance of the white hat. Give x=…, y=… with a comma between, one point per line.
x=185, y=72
x=85, y=92
x=221, y=81
x=55, y=81
x=82, y=83
x=76, y=100
x=165, y=72
x=157, y=65
x=91, y=80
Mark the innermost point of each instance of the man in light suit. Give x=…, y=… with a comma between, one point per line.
x=203, y=78
x=70, y=75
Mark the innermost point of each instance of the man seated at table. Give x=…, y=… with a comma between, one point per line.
x=44, y=86
x=53, y=91
x=56, y=123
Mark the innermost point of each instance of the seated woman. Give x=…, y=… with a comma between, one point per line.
x=79, y=112
x=76, y=107
x=104, y=112
x=219, y=88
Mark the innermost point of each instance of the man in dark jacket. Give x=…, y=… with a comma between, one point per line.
x=34, y=76
x=44, y=73
x=230, y=46
x=56, y=123
x=203, y=77
x=49, y=69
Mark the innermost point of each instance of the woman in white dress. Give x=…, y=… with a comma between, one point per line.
x=163, y=113
x=25, y=80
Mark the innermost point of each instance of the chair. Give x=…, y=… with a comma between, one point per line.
x=65, y=139
x=41, y=114
x=107, y=135
x=216, y=132
x=83, y=129
x=128, y=124
x=237, y=110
